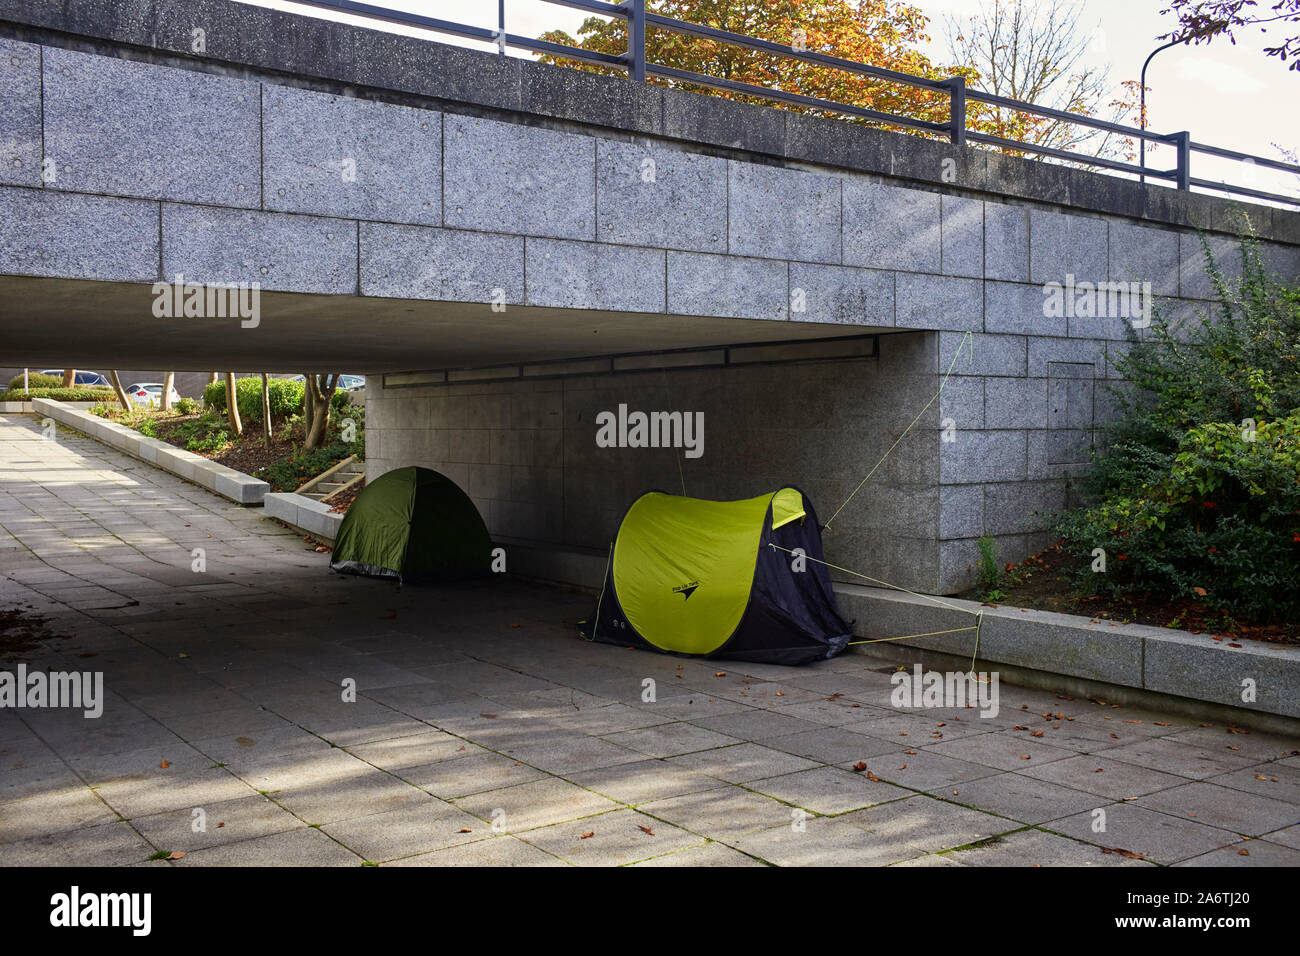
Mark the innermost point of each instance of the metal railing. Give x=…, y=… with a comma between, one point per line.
x=639, y=68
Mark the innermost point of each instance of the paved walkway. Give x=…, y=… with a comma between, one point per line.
x=484, y=731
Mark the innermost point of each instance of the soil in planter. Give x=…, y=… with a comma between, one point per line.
x=341, y=502
x=1042, y=582
x=248, y=454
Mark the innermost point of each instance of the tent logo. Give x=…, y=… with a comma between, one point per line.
x=686, y=590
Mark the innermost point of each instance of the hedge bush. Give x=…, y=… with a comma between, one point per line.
x=81, y=393
x=1197, y=494
x=285, y=395
x=35, y=380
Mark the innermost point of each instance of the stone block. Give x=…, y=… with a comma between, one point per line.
x=169, y=134
x=983, y=456
x=506, y=177
x=891, y=227
x=45, y=233
x=842, y=295
x=777, y=213
x=938, y=302
x=279, y=251
x=20, y=113
x=962, y=236
x=727, y=286
x=445, y=265
x=587, y=275
x=665, y=198
x=1062, y=244
x=1006, y=242
x=341, y=156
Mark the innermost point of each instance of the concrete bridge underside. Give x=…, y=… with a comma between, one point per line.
x=94, y=324
x=385, y=191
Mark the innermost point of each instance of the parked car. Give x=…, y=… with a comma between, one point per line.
x=149, y=393
x=81, y=378
x=346, y=383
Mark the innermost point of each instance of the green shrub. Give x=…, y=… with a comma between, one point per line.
x=1197, y=494
x=35, y=380
x=289, y=473
x=206, y=433
x=285, y=396
x=81, y=393
x=987, y=570
x=186, y=406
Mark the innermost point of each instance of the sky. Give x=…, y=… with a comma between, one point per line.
x=1225, y=95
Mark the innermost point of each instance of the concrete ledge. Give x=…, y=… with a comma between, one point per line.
x=1157, y=660
x=26, y=408
x=238, y=487
x=334, y=57
x=1121, y=663
x=306, y=514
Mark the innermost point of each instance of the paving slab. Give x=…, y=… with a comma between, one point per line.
x=232, y=679
x=1159, y=837
x=611, y=839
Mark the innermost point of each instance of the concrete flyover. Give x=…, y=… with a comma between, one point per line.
x=509, y=249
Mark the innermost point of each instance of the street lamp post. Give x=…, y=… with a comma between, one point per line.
x=1142, y=109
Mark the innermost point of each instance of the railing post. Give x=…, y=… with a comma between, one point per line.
x=1183, y=143
x=957, y=122
x=636, y=40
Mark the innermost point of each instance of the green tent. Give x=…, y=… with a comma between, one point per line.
x=726, y=579
x=415, y=525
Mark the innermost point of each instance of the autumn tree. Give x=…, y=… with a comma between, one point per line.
x=1041, y=53
x=882, y=33
x=1200, y=21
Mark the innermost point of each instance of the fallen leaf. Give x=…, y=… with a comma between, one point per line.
x=910, y=753
x=489, y=716
x=1243, y=852
x=165, y=764
x=860, y=766
x=466, y=830
x=176, y=855
x=720, y=674
x=1201, y=591
x=587, y=836
x=1036, y=733
x=903, y=767
x=645, y=830
x=220, y=825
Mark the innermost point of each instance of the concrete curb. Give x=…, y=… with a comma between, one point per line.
x=1123, y=663
x=26, y=408
x=306, y=514
x=235, y=485
x=1092, y=651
